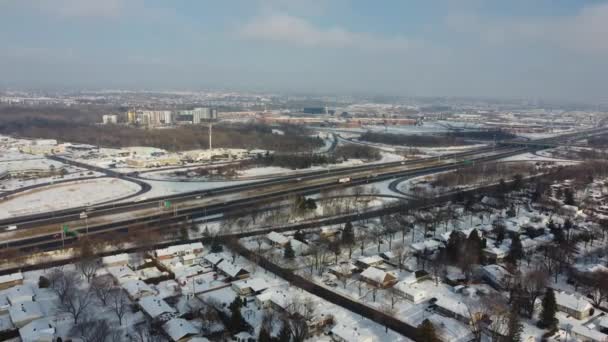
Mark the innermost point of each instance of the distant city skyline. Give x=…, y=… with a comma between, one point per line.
x=516, y=49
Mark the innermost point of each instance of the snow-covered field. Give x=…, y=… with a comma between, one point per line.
x=68, y=195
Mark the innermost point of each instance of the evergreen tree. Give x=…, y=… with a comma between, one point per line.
x=285, y=332
x=264, y=335
x=455, y=245
x=216, y=247
x=515, y=326
x=348, y=237
x=299, y=236
x=518, y=181
x=516, y=252
x=237, y=322
x=288, y=252
x=426, y=332
x=236, y=304
x=549, y=308
x=569, y=197
x=475, y=247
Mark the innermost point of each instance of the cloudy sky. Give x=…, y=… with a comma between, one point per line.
x=554, y=49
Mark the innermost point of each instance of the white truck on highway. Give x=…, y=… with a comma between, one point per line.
x=344, y=180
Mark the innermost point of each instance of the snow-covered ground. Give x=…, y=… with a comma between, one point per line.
x=67, y=195
x=533, y=157
x=14, y=184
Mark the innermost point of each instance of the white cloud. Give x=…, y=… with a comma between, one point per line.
x=296, y=31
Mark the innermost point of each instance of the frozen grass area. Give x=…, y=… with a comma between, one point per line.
x=67, y=195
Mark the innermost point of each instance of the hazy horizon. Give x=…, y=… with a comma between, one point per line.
x=471, y=48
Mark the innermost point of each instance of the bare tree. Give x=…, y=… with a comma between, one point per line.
x=63, y=283
x=102, y=287
x=76, y=303
x=595, y=284
x=88, y=263
x=119, y=302
x=528, y=288
x=93, y=330
x=402, y=253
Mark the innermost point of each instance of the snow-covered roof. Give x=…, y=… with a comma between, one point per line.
x=496, y=272
x=122, y=273
x=178, y=249
x=37, y=330
x=426, y=245
x=214, y=258
x=528, y=244
x=277, y=238
x=255, y=284
x=352, y=333
x=18, y=294
x=230, y=269
x=11, y=277
x=25, y=311
x=115, y=259
x=415, y=291
x=500, y=251
x=299, y=246
x=137, y=288
x=187, y=272
x=150, y=272
x=178, y=328
x=371, y=260
x=376, y=274
x=572, y=302
x=590, y=334
x=276, y=296
x=453, y=304
x=155, y=306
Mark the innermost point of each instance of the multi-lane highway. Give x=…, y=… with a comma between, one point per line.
x=41, y=230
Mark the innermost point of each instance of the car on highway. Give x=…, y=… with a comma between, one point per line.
x=9, y=228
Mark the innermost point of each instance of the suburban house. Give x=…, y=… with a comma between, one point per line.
x=179, y=330
x=24, y=313
x=137, y=289
x=494, y=253
x=277, y=239
x=18, y=294
x=232, y=271
x=365, y=262
x=378, y=277
x=122, y=274
x=413, y=292
x=195, y=249
x=497, y=276
x=248, y=287
x=11, y=280
x=38, y=330
x=575, y=306
x=156, y=307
